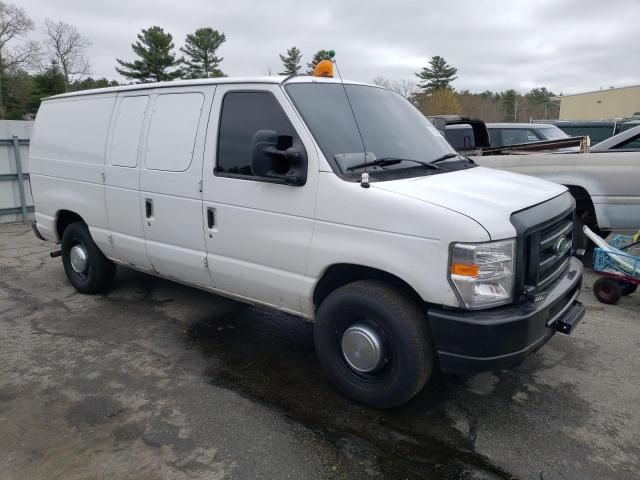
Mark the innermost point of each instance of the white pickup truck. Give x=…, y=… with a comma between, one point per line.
x=606, y=186
x=605, y=181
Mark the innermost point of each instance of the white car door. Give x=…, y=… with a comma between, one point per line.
x=122, y=180
x=170, y=183
x=257, y=232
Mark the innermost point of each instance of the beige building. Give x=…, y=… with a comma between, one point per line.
x=600, y=105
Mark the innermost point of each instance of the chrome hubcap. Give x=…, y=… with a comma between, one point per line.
x=362, y=348
x=78, y=257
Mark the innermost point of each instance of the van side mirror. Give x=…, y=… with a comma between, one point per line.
x=279, y=157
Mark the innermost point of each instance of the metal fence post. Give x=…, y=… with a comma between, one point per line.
x=23, y=200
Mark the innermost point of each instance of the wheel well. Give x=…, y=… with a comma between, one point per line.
x=583, y=199
x=341, y=274
x=66, y=218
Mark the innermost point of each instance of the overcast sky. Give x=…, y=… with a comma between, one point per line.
x=566, y=45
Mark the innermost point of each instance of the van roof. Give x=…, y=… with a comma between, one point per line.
x=279, y=79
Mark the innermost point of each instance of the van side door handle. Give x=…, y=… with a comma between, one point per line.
x=211, y=217
x=148, y=207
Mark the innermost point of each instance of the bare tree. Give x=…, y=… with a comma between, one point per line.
x=14, y=25
x=406, y=88
x=24, y=56
x=382, y=82
x=67, y=47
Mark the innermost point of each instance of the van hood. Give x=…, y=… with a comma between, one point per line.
x=487, y=196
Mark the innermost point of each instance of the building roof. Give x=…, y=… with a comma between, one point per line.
x=603, y=90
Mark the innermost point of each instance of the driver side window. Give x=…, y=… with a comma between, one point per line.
x=242, y=116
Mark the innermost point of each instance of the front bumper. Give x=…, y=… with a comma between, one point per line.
x=472, y=341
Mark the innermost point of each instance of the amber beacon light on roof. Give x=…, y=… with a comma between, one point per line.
x=324, y=68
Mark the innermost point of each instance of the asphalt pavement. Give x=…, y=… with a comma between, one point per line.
x=155, y=380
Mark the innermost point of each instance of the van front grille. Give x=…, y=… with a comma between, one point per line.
x=544, y=234
x=549, y=251
x=556, y=243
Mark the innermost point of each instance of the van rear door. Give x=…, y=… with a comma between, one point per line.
x=170, y=183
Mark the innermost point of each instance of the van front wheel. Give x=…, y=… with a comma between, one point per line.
x=373, y=343
x=88, y=270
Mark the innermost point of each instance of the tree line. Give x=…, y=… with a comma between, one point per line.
x=433, y=94
x=30, y=71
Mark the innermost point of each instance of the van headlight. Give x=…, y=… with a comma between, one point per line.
x=483, y=273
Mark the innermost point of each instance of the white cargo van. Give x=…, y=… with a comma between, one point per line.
x=338, y=203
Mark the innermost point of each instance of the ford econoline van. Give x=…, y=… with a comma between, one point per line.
x=336, y=202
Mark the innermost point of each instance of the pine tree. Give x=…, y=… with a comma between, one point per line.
x=291, y=62
x=539, y=104
x=90, y=83
x=200, y=50
x=509, y=101
x=439, y=74
x=17, y=92
x=317, y=58
x=49, y=81
x=539, y=96
x=156, y=58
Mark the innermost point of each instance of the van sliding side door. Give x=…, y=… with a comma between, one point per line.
x=122, y=179
x=170, y=183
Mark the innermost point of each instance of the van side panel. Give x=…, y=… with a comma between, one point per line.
x=67, y=160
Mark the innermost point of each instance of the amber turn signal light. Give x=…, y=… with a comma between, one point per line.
x=465, y=270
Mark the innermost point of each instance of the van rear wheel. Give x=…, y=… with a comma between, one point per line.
x=88, y=270
x=373, y=343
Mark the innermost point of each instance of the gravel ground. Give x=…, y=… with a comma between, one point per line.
x=160, y=381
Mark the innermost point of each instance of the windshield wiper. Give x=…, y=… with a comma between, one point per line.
x=447, y=156
x=386, y=161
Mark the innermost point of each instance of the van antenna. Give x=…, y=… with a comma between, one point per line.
x=364, y=179
x=287, y=78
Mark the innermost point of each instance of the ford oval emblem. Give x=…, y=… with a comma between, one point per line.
x=561, y=246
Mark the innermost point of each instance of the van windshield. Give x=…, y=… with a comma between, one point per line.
x=390, y=126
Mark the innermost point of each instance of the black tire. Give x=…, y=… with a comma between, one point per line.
x=628, y=288
x=99, y=272
x=607, y=290
x=402, y=326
